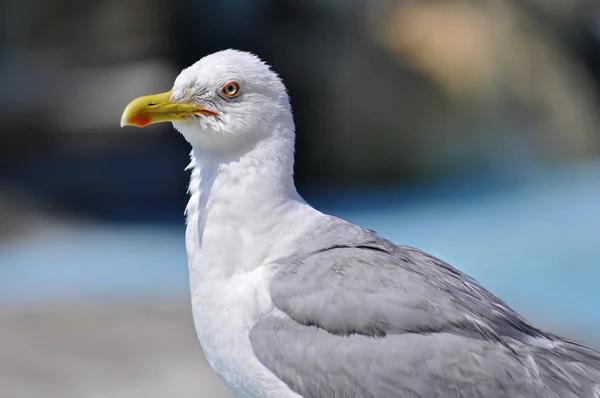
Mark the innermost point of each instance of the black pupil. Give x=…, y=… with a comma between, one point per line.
x=231, y=88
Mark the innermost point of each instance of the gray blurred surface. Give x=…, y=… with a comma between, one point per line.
x=103, y=350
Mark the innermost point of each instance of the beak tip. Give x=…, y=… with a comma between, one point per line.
x=124, y=118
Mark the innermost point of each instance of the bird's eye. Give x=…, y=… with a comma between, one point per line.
x=231, y=89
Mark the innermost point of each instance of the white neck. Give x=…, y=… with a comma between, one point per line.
x=244, y=213
x=237, y=204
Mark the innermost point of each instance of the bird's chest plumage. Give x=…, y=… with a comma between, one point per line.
x=225, y=308
x=224, y=312
x=231, y=238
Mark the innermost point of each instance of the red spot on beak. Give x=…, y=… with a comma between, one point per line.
x=141, y=120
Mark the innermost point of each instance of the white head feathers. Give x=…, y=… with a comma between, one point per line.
x=249, y=99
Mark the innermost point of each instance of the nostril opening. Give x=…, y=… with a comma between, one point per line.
x=152, y=104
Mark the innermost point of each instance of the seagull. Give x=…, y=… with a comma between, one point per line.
x=290, y=302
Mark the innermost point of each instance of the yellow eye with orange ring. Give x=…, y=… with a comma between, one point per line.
x=231, y=89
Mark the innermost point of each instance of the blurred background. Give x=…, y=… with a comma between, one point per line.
x=467, y=128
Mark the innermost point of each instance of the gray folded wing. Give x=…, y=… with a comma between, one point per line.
x=360, y=317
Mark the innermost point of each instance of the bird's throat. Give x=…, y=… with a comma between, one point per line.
x=234, y=204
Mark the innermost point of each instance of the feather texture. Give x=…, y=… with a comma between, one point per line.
x=360, y=316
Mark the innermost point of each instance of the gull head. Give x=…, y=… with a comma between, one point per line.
x=225, y=103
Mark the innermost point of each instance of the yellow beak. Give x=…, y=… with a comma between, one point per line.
x=159, y=108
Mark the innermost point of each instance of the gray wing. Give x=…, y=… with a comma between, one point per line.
x=360, y=317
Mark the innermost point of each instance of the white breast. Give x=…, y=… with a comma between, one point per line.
x=224, y=311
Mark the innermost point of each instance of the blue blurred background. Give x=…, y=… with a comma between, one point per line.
x=467, y=128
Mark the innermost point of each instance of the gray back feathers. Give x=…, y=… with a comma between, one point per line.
x=367, y=318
